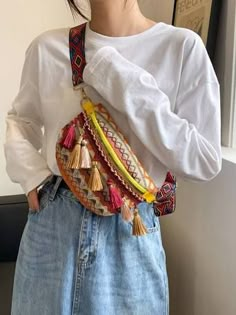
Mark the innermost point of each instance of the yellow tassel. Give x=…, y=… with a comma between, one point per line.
x=95, y=183
x=126, y=212
x=74, y=157
x=139, y=228
x=85, y=160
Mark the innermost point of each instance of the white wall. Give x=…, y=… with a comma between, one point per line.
x=20, y=22
x=199, y=239
x=158, y=10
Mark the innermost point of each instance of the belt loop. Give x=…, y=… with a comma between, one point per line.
x=56, y=183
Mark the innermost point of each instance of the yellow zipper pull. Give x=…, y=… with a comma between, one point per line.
x=88, y=107
x=149, y=197
x=86, y=103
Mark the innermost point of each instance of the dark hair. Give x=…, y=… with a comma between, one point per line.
x=75, y=9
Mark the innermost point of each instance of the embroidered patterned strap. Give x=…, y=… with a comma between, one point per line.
x=166, y=196
x=77, y=52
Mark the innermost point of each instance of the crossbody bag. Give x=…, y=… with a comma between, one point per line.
x=97, y=162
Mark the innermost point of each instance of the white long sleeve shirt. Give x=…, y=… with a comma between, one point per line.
x=159, y=86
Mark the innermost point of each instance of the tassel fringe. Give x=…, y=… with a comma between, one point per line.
x=139, y=228
x=126, y=212
x=74, y=157
x=115, y=197
x=85, y=160
x=69, y=137
x=80, y=158
x=95, y=182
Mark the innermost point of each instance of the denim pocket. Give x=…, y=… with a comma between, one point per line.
x=154, y=220
x=43, y=201
x=153, y=229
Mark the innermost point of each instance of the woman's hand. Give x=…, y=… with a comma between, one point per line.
x=33, y=200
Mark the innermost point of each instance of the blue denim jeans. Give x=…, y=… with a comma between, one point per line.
x=74, y=262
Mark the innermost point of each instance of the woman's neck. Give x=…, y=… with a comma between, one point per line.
x=113, y=18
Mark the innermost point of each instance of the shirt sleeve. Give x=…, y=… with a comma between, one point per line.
x=24, y=163
x=188, y=140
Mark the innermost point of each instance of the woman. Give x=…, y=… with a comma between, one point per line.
x=159, y=84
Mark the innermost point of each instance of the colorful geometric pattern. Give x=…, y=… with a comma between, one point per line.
x=166, y=197
x=77, y=180
x=77, y=52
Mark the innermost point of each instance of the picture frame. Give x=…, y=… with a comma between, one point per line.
x=201, y=16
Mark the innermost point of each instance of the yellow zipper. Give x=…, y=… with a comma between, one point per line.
x=89, y=109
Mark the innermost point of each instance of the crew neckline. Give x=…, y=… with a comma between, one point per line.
x=94, y=36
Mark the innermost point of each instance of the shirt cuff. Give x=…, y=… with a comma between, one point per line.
x=36, y=181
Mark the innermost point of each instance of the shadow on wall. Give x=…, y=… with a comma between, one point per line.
x=181, y=267
x=199, y=239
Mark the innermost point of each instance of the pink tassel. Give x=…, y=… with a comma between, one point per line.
x=68, y=141
x=63, y=134
x=115, y=197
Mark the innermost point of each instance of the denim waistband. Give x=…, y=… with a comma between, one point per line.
x=55, y=183
x=62, y=183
